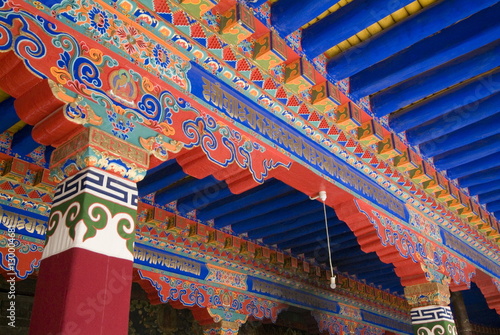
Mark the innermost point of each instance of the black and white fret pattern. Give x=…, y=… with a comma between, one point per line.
x=99, y=183
x=431, y=314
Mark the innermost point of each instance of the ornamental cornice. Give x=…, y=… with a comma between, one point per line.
x=94, y=147
x=386, y=176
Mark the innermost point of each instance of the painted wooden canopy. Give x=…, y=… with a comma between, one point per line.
x=230, y=115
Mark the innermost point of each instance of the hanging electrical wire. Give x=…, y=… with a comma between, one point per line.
x=322, y=197
x=332, y=278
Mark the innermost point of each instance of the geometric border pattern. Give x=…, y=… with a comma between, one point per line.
x=429, y=314
x=98, y=183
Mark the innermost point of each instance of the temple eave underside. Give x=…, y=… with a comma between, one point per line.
x=182, y=146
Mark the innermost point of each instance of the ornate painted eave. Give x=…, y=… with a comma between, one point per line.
x=212, y=91
x=312, y=121
x=296, y=119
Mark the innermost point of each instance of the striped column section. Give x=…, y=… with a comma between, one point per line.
x=85, y=275
x=430, y=313
x=433, y=320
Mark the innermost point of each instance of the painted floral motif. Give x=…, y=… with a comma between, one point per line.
x=121, y=126
x=127, y=39
x=161, y=56
x=99, y=20
x=131, y=39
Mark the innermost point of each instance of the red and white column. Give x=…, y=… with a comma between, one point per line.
x=85, y=277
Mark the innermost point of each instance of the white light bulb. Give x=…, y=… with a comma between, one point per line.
x=332, y=283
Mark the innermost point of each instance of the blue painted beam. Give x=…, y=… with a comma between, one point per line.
x=318, y=245
x=462, y=137
x=396, y=287
x=345, y=22
x=485, y=163
x=483, y=188
x=468, y=153
x=454, y=72
x=321, y=255
x=318, y=236
x=497, y=215
x=254, y=3
x=454, y=41
x=9, y=115
x=365, y=266
x=493, y=206
x=351, y=251
x=160, y=179
x=387, y=281
x=454, y=120
x=288, y=16
x=343, y=240
x=260, y=209
x=48, y=153
x=307, y=207
x=443, y=103
x=388, y=284
x=186, y=187
x=163, y=165
x=22, y=143
x=268, y=190
x=203, y=197
x=489, y=197
x=367, y=259
x=300, y=232
x=399, y=37
x=384, y=275
x=308, y=243
x=375, y=275
x=50, y=3
x=480, y=178
x=283, y=227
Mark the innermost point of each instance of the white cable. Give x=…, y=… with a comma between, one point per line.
x=332, y=278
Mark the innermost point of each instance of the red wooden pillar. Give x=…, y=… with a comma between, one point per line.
x=85, y=274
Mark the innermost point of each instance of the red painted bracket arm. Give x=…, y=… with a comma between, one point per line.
x=490, y=288
x=406, y=269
